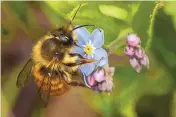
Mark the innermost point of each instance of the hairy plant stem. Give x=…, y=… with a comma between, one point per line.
x=152, y=20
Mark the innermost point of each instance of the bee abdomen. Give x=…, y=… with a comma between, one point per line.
x=57, y=90
x=54, y=85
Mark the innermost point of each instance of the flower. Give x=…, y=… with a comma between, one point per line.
x=129, y=51
x=90, y=46
x=133, y=40
x=97, y=76
x=135, y=64
x=108, y=84
x=109, y=70
x=89, y=49
x=101, y=79
x=139, y=53
x=145, y=61
x=136, y=53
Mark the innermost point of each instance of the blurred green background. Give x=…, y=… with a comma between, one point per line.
x=150, y=93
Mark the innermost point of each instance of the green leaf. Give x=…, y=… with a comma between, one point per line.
x=20, y=9
x=141, y=20
x=55, y=17
x=61, y=7
x=170, y=9
x=114, y=11
x=163, y=44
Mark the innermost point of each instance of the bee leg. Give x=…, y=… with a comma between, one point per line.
x=84, y=61
x=66, y=78
x=77, y=60
x=75, y=83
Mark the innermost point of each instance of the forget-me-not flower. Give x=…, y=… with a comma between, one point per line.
x=90, y=46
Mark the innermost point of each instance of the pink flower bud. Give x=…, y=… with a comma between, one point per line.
x=134, y=63
x=138, y=68
x=102, y=86
x=99, y=75
x=129, y=51
x=96, y=89
x=109, y=85
x=133, y=40
x=145, y=61
x=101, y=79
x=111, y=71
x=139, y=53
x=91, y=80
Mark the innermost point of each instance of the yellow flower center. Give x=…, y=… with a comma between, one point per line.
x=89, y=49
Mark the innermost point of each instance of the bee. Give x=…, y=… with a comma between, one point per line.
x=51, y=65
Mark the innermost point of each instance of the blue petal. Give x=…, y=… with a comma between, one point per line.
x=97, y=38
x=101, y=54
x=87, y=69
x=82, y=36
x=78, y=50
x=85, y=80
x=102, y=62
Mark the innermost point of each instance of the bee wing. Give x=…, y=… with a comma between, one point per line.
x=25, y=74
x=44, y=95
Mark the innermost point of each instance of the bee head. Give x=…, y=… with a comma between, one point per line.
x=63, y=36
x=53, y=49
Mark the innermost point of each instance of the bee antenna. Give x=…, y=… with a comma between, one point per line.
x=75, y=13
x=85, y=26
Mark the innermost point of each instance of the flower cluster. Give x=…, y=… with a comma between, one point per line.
x=97, y=75
x=136, y=53
x=101, y=79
